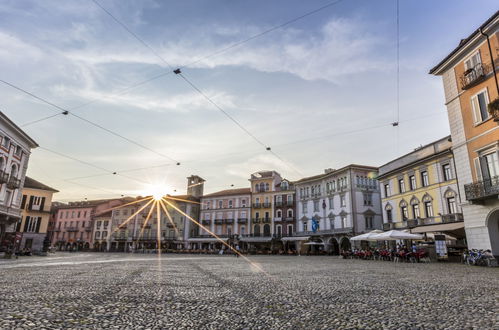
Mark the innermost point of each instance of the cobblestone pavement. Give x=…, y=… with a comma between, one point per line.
x=124, y=291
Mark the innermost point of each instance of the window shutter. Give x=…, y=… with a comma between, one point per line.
x=23, y=202
x=478, y=172
x=18, y=227
x=30, y=206
x=26, y=223
x=42, y=204
x=484, y=168
x=475, y=109
x=38, y=222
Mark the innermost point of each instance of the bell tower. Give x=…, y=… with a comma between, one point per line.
x=195, y=185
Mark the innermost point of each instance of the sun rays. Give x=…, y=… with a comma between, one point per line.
x=158, y=204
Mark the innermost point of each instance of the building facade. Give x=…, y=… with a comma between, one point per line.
x=36, y=204
x=74, y=225
x=420, y=192
x=471, y=86
x=15, y=149
x=225, y=213
x=336, y=205
x=284, y=209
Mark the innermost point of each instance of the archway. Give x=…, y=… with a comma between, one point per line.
x=334, y=247
x=266, y=230
x=256, y=230
x=493, y=227
x=345, y=243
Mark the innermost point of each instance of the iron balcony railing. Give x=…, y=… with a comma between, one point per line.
x=4, y=177
x=474, y=75
x=481, y=190
x=242, y=220
x=219, y=221
x=257, y=205
x=229, y=221
x=327, y=231
x=71, y=228
x=278, y=203
x=289, y=219
x=453, y=217
x=13, y=183
x=266, y=204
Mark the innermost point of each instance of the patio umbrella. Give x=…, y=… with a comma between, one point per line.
x=393, y=235
x=366, y=236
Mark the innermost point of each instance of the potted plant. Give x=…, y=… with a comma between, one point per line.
x=493, y=108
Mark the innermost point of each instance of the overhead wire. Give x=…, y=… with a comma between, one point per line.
x=209, y=55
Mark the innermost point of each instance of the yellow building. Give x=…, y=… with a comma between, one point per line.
x=35, y=214
x=420, y=192
x=262, y=209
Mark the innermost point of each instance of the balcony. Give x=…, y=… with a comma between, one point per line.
x=71, y=229
x=256, y=220
x=474, y=75
x=4, y=177
x=257, y=205
x=13, y=183
x=482, y=190
x=289, y=203
x=206, y=222
x=229, y=221
x=242, y=220
x=266, y=205
x=289, y=219
x=453, y=217
x=278, y=203
x=219, y=221
x=89, y=228
x=388, y=226
x=277, y=219
x=265, y=220
x=345, y=230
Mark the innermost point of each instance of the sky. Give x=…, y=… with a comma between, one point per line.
x=321, y=91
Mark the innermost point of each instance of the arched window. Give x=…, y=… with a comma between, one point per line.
x=279, y=214
x=389, y=215
x=266, y=230
x=13, y=170
x=256, y=230
x=267, y=187
x=262, y=186
x=290, y=213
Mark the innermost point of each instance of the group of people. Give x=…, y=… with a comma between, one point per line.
x=397, y=253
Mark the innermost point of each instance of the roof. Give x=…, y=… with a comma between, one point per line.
x=33, y=184
x=330, y=172
x=230, y=192
x=32, y=143
x=464, y=42
x=92, y=203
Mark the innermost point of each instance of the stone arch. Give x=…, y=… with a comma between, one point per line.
x=266, y=230
x=492, y=224
x=345, y=243
x=403, y=203
x=414, y=200
x=427, y=198
x=449, y=192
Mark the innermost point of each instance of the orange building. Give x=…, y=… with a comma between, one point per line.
x=470, y=77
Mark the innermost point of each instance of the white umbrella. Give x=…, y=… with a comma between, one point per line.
x=367, y=236
x=393, y=235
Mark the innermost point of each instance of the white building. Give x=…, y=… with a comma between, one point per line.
x=338, y=204
x=15, y=149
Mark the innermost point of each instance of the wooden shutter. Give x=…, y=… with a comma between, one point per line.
x=478, y=172
x=42, y=204
x=30, y=206
x=18, y=227
x=485, y=168
x=26, y=223
x=23, y=203
x=38, y=222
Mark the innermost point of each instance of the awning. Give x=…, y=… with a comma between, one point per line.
x=206, y=240
x=314, y=243
x=294, y=239
x=455, y=227
x=255, y=239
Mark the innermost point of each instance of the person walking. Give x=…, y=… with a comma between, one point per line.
x=238, y=251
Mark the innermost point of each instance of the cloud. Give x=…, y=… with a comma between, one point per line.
x=258, y=163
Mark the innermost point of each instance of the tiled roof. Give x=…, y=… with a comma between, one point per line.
x=33, y=184
x=230, y=192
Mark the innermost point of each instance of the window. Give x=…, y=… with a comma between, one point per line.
x=415, y=211
x=290, y=199
x=79, y=214
x=428, y=209
x=85, y=214
x=304, y=207
x=369, y=222
x=220, y=204
x=279, y=214
x=387, y=190
x=267, y=215
x=230, y=203
x=290, y=213
x=343, y=201
x=344, y=223
x=97, y=234
x=424, y=179
x=479, y=106
x=243, y=214
x=243, y=202
x=401, y=186
x=305, y=226
x=446, y=171
x=412, y=182
x=104, y=234
x=5, y=142
x=106, y=223
x=207, y=216
x=267, y=187
x=331, y=202
x=316, y=206
x=451, y=205
x=368, y=199
x=489, y=164
x=73, y=214
x=257, y=215
x=403, y=210
x=99, y=224
x=389, y=216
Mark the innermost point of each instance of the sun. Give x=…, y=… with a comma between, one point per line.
x=157, y=191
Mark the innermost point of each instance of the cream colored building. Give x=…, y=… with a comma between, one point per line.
x=35, y=213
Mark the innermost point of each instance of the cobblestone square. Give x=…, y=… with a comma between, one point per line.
x=137, y=291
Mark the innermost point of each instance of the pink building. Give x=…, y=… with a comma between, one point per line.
x=73, y=228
